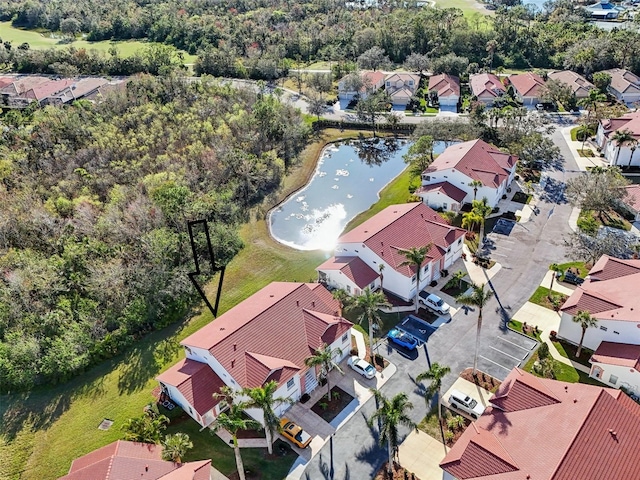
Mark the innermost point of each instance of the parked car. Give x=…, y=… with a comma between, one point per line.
x=466, y=404
x=433, y=302
x=295, y=433
x=361, y=366
x=573, y=279
x=402, y=338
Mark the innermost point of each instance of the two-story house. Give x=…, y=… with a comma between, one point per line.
x=446, y=182
x=486, y=88
x=447, y=88
x=380, y=241
x=371, y=83
x=401, y=87
x=266, y=337
x=620, y=154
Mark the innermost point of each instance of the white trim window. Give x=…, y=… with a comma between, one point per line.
x=291, y=383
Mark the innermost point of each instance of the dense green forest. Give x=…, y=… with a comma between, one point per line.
x=94, y=250
x=262, y=39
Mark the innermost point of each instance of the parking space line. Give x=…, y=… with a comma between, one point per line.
x=498, y=254
x=515, y=344
x=496, y=363
x=505, y=353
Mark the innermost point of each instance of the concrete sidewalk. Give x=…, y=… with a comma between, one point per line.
x=583, y=162
x=478, y=275
x=359, y=338
x=557, y=287
x=421, y=455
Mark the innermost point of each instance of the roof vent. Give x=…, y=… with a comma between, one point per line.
x=575, y=400
x=233, y=363
x=297, y=303
x=221, y=328
x=271, y=296
x=313, y=304
x=146, y=468
x=235, y=347
x=566, y=388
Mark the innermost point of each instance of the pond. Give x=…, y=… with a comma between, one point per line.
x=346, y=181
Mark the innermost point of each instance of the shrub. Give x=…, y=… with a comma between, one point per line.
x=552, y=335
x=448, y=436
x=588, y=224
x=543, y=351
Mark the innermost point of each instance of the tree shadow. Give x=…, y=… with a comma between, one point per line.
x=502, y=310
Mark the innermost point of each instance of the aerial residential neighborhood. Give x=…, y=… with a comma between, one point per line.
x=319, y=240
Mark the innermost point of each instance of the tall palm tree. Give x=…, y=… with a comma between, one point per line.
x=262, y=398
x=343, y=298
x=233, y=420
x=415, y=257
x=483, y=210
x=391, y=413
x=555, y=268
x=323, y=358
x=477, y=298
x=475, y=184
x=175, y=446
x=436, y=373
x=369, y=302
x=470, y=220
x=584, y=318
x=633, y=146
x=591, y=102
x=622, y=138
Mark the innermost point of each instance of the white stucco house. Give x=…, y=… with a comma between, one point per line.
x=401, y=87
x=371, y=83
x=445, y=183
x=625, y=86
x=266, y=337
x=379, y=241
x=486, y=88
x=610, y=294
x=623, y=155
x=527, y=87
x=447, y=88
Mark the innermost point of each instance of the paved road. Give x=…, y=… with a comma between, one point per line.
x=525, y=256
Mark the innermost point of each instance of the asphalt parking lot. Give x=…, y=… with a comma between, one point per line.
x=503, y=351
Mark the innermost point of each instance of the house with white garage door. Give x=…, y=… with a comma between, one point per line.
x=625, y=86
x=380, y=241
x=266, y=337
x=446, y=183
x=620, y=154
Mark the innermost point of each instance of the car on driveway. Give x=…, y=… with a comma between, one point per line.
x=361, y=366
x=294, y=433
x=434, y=302
x=402, y=338
x=465, y=403
x=573, y=279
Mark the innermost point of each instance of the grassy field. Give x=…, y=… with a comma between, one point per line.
x=39, y=40
x=44, y=430
x=468, y=7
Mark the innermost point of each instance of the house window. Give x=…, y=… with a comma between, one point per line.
x=426, y=268
x=356, y=251
x=411, y=83
x=290, y=384
x=617, y=333
x=348, y=289
x=604, y=329
x=613, y=379
x=188, y=350
x=345, y=337
x=426, y=177
x=444, y=206
x=448, y=249
x=372, y=286
x=190, y=411
x=459, y=241
x=413, y=279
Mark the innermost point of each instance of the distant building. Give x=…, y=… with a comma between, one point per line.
x=447, y=88
x=632, y=200
x=486, y=87
x=604, y=10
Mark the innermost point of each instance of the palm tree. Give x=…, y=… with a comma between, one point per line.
x=622, y=138
x=477, y=298
x=475, y=184
x=381, y=268
x=147, y=428
x=262, y=398
x=583, y=132
x=456, y=279
x=483, y=210
x=175, y=446
x=632, y=146
x=555, y=268
x=391, y=414
x=436, y=373
x=369, y=302
x=470, y=219
x=233, y=420
x=342, y=297
x=584, y=318
x=415, y=257
x=591, y=102
x=323, y=358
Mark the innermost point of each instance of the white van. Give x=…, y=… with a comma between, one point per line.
x=465, y=403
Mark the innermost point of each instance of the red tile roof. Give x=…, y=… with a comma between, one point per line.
x=628, y=121
x=196, y=381
x=446, y=85
x=477, y=160
x=23, y=84
x=123, y=460
x=486, y=83
x=353, y=268
x=566, y=439
x=447, y=188
x=403, y=226
x=277, y=327
x=609, y=292
x=47, y=89
x=622, y=354
x=633, y=197
x=527, y=84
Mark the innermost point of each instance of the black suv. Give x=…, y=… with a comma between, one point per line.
x=572, y=278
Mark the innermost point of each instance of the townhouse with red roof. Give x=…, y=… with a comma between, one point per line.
x=360, y=252
x=610, y=294
x=447, y=89
x=266, y=337
x=123, y=460
x=445, y=183
x=486, y=88
x=542, y=429
x=527, y=87
x=625, y=86
x=623, y=154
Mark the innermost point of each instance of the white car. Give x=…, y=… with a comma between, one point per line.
x=434, y=302
x=465, y=403
x=361, y=366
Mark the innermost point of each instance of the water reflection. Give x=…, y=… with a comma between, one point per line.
x=346, y=182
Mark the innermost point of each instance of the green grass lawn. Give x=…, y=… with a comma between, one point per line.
x=569, y=350
x=583, y=268
x=44, y=430
x=516, y=326
x=541, y=297
x=468, y=7
x=563, y=372
x=39, y=40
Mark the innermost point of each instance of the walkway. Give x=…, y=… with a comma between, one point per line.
x=421, y=455
x=360, y=345
x=478, y=275
x=583, y=162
